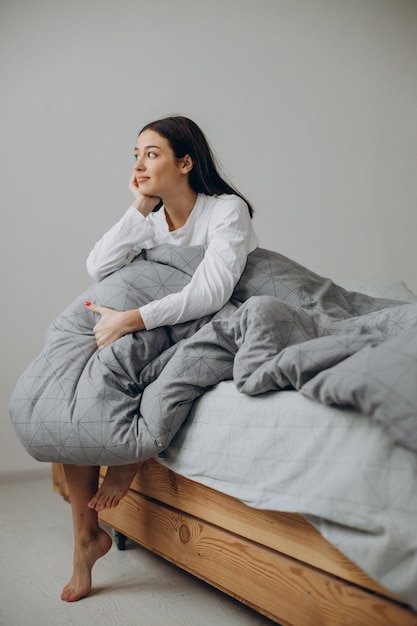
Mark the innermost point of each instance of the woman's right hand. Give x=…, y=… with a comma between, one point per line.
x=144, y=204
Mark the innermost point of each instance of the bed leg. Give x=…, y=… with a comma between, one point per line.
x=120, y=540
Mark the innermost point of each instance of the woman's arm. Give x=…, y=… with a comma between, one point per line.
x=119, y=245
x=123, y=241
x=231, y=239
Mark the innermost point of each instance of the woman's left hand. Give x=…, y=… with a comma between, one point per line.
x=114, y=324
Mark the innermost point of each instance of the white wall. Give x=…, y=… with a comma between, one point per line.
x=310, y=105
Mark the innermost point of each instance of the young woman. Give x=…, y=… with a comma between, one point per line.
x=180, y=199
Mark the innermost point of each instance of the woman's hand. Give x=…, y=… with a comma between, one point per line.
x=114, y=324
x=144, y=204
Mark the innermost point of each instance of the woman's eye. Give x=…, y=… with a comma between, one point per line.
x=150, y=155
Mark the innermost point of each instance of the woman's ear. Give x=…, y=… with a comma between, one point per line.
x=187, y=164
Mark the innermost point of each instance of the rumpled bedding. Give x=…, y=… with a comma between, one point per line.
x=284, y=328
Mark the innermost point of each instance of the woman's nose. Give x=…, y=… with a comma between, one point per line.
x=138, y=164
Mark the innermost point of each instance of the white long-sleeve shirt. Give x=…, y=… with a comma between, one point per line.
x=222, y=223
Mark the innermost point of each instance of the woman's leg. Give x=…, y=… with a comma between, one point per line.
x=90, y=541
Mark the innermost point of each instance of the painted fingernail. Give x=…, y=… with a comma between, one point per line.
x=87, y=303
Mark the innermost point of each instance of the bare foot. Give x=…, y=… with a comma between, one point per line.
x=85, y=555
x=114, y=486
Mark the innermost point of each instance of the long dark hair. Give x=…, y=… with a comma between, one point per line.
x=185, y=137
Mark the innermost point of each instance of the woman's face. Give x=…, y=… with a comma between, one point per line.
x=157, y=171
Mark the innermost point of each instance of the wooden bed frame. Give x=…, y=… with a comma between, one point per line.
x=276, y=563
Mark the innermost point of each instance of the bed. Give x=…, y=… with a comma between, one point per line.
x=284, y=477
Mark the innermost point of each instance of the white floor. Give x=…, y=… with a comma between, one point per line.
x=131, y=588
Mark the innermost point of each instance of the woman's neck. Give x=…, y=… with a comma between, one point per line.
x=178, y=209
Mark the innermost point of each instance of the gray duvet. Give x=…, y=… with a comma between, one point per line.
x=285, y=328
